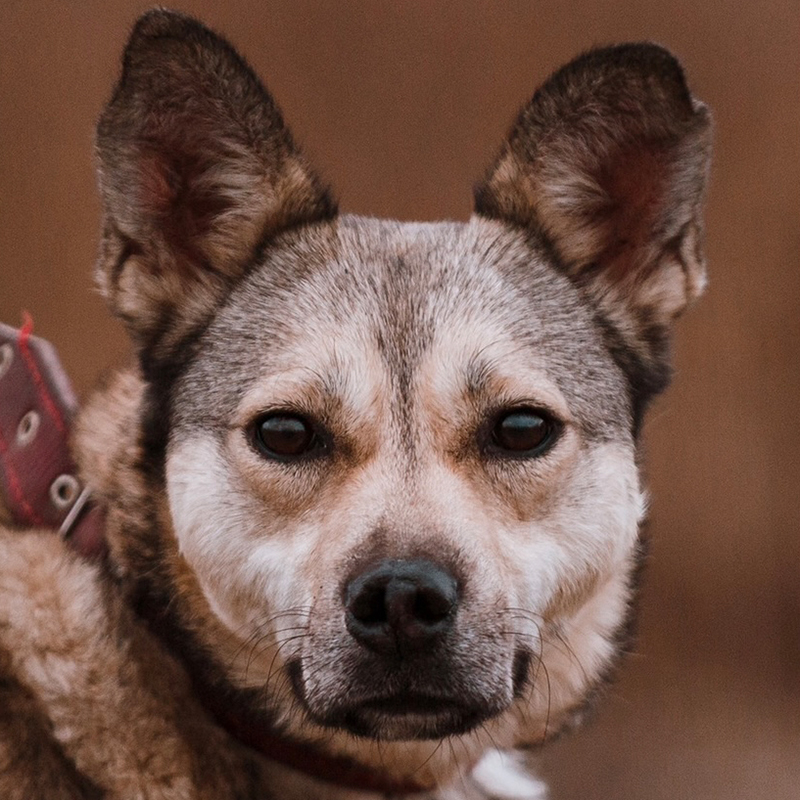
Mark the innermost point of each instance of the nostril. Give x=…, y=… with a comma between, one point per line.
x=369, y=605
x=432, y=606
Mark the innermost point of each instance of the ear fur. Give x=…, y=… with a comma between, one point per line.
x=608, y=163
x=197, y=170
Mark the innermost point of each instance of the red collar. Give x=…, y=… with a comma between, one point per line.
x=40, y=487
x=39, y=482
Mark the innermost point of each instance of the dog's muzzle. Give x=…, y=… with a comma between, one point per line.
x=406, y=661
x=401, y=613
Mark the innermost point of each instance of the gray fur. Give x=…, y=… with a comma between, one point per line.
x=246, y=295
x=401, y=283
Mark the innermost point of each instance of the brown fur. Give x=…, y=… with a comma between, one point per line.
x=82, y=672
x=198, y=184
x=32, y=762
x=402, y=346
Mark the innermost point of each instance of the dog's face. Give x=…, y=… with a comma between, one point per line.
x=390, y=462
x=400, y=458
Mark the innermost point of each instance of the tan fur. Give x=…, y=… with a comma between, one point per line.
x=401, y=349
x=99, y=678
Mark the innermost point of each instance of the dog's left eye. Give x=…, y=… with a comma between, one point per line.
x=523, y=433
x=285, y=436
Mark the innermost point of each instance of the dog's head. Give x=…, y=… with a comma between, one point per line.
x=400, y=459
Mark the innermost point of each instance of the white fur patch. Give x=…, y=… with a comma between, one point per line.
x=502, y=775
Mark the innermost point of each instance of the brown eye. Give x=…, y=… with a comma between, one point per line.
x=286, y=436
x=523, y=432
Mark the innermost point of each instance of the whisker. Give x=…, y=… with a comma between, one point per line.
x=428, y=759
x=554, y=631
x=547, y=717
x=267, y=640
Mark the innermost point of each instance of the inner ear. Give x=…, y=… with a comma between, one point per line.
x=173, y=192
x=633, y=184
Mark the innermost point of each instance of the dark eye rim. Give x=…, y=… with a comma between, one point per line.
x=319, y=444
x=555, y=428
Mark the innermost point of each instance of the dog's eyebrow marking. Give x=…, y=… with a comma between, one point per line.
x=302, y=387
x=340, y=393
x=493, y=372
x=476, y=377
x=484, y=379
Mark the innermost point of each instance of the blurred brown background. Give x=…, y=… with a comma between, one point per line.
x=401, y=106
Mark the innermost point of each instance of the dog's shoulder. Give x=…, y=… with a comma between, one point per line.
x=35, y=568
x=92, y=704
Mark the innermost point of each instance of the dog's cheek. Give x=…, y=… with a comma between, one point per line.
x=572, y=575
x=244, y=567
x=587, y=534
x=545, y=540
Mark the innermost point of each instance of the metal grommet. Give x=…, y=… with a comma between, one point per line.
x=63, y=491
x=27, y=428
x=6, y=357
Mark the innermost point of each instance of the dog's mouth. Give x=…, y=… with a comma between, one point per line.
x=410, y=701
x=400, y=715
x=409, y=716
x=410, y=704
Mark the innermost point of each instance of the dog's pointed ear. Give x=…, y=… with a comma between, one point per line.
x=608, y=162
x=197, y=170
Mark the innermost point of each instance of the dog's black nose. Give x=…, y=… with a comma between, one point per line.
x=400, y=606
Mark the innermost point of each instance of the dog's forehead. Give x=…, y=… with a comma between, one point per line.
x=365, y=300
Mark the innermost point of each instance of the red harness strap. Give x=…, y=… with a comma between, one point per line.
x=39, y=481
x=39, y=486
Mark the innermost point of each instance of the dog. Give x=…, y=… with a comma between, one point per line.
x=371, y=492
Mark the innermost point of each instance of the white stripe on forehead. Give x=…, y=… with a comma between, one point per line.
x=357, y=360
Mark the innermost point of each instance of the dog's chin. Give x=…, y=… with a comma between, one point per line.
x=410, y=709
x=407, y=718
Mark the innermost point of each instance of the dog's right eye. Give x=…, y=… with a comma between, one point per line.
x=286, y=437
